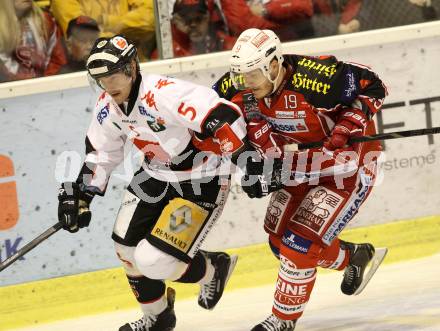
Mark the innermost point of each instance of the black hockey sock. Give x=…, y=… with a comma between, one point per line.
x=195, y=271
x=146, y=289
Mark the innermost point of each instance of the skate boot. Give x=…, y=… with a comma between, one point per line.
x=360, y=256
x=165, y=321
x=211, y=292
x=273, y=323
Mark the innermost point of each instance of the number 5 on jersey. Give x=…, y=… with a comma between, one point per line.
x=187, y=111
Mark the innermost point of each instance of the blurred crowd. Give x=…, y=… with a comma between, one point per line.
x=42, y=38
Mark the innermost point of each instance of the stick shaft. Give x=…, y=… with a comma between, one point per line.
x=30, y=245
x=379, y=136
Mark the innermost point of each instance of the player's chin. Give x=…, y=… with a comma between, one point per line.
x=259, y=93
x=117, y=96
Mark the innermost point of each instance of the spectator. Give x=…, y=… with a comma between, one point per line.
x=30, y=42
x=198, y=28
x=133, y=18
x=81, y=35
x=347, y=10
x=429, y=13
x=289, y=19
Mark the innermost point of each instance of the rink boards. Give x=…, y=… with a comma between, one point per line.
x=107, y=291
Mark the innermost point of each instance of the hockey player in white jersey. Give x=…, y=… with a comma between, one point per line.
x=175, y=198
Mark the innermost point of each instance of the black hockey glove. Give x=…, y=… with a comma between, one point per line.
x=259, y=181
x=73, y=206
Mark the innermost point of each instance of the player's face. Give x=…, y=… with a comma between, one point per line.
x=22, y=7
x=263, y=86
x=258, y=83
x=255, y=81
x=117, y=85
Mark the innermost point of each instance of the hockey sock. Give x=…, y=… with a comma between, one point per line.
x=196, y=270
x=296, y=276
x=334, y=256
x=150, y=294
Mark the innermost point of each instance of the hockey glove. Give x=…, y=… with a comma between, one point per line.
x=73, y=206
x=262, y=137
x=259, y=181
x=351, y=124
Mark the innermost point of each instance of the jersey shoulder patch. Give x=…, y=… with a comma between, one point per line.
x=102, y=108
x=224, y=87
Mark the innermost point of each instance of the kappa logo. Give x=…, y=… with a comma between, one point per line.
x=163, y=83
x=149, y=100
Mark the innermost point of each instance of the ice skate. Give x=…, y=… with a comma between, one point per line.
x=360, y=256
x=165, y=321
x=211, y=292
x=273, y=323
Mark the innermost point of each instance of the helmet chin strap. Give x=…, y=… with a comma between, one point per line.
x=277, y=80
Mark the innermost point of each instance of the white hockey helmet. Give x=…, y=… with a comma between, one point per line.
x=254, y=50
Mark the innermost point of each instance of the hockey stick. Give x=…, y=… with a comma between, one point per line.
x=32, y=244
x=379, y=136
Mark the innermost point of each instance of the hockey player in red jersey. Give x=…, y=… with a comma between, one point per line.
x=177, y=195
x=288, y=99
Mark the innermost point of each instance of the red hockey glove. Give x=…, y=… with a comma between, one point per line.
x=352, y=123
x=260, y=135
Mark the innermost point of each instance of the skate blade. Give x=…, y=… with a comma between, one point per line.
x=375, y=263
x=234, y=259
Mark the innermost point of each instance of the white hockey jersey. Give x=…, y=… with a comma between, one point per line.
x=163, y=121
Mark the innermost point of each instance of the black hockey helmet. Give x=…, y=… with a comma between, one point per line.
x=109, y=55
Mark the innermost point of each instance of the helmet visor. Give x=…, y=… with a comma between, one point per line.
x=248, y=80
x=115, y=81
